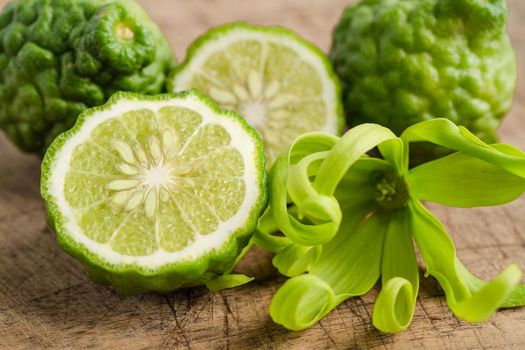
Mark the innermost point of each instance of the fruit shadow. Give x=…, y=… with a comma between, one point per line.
x=348, y=326
x=46, y=295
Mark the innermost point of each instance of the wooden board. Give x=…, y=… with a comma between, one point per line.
x=46, y=301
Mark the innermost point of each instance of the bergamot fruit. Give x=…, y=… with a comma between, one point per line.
x=59, y=57
x=155, y=192
x=283, y=85
x=405, y=61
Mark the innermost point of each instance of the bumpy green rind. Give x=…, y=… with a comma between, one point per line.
x=223, y=30
x=132, y=278
x=59, y=57
x=406, y=61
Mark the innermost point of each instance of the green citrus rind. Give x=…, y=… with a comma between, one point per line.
x=135, y=278
x=336, y=107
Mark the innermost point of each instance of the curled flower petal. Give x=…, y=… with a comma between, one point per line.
x=296, y=259
x=394, y=306
x=471, y=304
x=348, y=266
x=302, y=301
x=319, y=214
x=516, y=297
x=295, y=230
x=490, y=297
x=264, y=235
x=316, y=207
x=395, y=303
x=309, y=143
x=444, y=133
x=352, y=145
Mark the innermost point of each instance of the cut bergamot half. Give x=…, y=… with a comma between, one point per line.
x=155, y=192
x=283, y=85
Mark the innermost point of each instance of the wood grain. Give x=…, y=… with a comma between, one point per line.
x=47, y=302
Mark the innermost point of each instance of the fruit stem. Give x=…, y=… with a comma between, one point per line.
x=124, y=32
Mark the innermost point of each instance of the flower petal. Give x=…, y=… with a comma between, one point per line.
x=295, y=230
x=357, y=186
x=316, y=207
x=351, y=262
x=444, y=133
x=515, y=298
x=463, y=181
x=395, y=303
x=309, y=143
x=352, y=145
x=394, y=306
x=264, y=234
x=489, y=296
x=349, y=265
x=327, y=159
x=227, y=281
x=393, y=152
x=471, y=304
x=301, y=302
x=296, y=259
x=277, y=216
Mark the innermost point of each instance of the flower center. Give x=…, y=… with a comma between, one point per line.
x=391, y=191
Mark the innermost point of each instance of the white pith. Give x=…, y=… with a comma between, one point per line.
x=257, y=100
x=240, y=140
x=149, y=173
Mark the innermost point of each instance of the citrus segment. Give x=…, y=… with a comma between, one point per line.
x=155, y=185
x=283, y=85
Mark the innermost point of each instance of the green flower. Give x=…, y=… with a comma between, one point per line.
x=349, y=219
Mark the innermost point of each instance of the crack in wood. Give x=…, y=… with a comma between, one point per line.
x=40, y=297
x=226, y=324
x=327, y=334
x=180, y=330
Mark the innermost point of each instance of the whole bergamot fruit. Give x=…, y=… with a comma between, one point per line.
x=59, y=57
x=405, y=61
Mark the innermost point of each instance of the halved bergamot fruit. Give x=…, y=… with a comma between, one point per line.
x=283, y=85
x=155, y=193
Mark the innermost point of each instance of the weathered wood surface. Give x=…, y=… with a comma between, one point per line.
x=46, y=301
